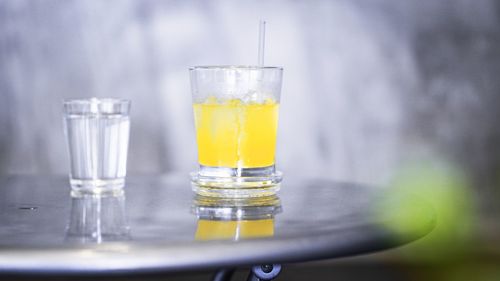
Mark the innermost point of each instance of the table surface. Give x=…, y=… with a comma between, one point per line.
x=152, y=228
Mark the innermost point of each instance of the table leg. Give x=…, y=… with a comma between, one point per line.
x=264, y=272
x=223, y=274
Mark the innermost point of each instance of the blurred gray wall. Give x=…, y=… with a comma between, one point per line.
x=369, y=86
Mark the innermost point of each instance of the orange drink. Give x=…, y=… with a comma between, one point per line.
x=236, y=120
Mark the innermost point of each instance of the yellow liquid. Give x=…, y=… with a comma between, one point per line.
x=213, y=230
x=236, y=134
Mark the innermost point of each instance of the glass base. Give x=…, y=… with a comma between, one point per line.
x=96, y=186
x=236, y=182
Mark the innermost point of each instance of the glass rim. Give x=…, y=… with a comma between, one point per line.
x=243, y=67
x=94, y=100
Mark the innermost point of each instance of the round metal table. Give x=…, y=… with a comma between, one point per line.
x=159, y=226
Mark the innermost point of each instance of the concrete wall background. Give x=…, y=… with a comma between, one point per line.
x=369, y=86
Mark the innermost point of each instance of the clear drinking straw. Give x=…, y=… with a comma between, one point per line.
x=262, y=41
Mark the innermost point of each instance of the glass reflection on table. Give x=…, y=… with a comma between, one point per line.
x=97, y=218
x=235, y=218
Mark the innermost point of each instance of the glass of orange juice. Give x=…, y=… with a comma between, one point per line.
x=236, y=120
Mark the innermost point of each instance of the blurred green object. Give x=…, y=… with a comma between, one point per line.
x=446, y=189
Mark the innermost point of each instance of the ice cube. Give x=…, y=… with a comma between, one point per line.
x=257, y=97
x=251, y=97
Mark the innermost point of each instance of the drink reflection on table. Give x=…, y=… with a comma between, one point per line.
x=235, y=218
x=97, y=218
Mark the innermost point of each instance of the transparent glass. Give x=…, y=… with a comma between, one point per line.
x=236, y=120
x=97, y=133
